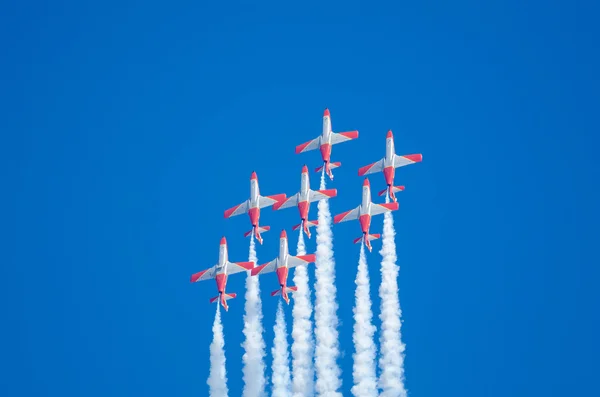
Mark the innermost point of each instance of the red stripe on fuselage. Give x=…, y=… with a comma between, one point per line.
x=282, y=273
x=389, y=172
x=365, y=222
x=254, y=214
x=326, y=152
x=221, y=280
x=303, y=207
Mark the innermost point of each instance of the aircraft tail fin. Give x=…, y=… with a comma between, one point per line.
x=257, y=231
x=368, y=240
x=224, y=298
x=392, y=190
x=284, y=291
x=306, y=225
x=328, y=167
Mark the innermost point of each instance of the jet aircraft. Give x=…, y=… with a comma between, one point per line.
x=220, y=271
x=252, y=206
x=281, y=266
x=302, y=199
x=324, y=142
x=388, y=166
x=364, y=212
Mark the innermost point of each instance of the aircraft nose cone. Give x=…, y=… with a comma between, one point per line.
x=283, y=234
x=326, y=113
x=223, y=240
x=253, y=176
x=366, y=182
x=389, y=134
x=305, y=169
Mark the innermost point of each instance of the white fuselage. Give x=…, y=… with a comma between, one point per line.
x=365, y=206
x=254, y=193
x=283, y=252
x=304, y=187
x=388, y=161
x=326, y=135
x=221, y=268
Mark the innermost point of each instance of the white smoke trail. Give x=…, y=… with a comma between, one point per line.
x=303, y=374
x=254, y=345
x=391, y=361
x=326, y=321
x=217, y=378
x=365, y=379
x=281, y=359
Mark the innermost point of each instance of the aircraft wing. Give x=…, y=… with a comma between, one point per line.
x=316, y=195
x=400, y=161
x=339, y=137
x=347, y=216
x=287, y=203
x=371, y=168
x=300, y=260
x=307, y=146
x=267, y=201
x=377, y=209
x=204, y=275
x=236, y=267
x=266, y=268
x=237, y=210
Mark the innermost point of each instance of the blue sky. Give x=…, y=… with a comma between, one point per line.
x=128, y=128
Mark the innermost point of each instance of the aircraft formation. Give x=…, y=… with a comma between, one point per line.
x=302, y=200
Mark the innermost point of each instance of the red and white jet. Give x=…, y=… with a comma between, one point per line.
x=388, y=165
x=281, y=265
x=303, y=199
x=253, y=205
x=324, y=142
x=364, y=212
x=220, y=271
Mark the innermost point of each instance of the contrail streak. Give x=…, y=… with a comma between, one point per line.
x=254, y=344
x=281, y=359
x=391, y=361
x=326, y=321
x=302, y=346
x=363, y=371
x=217, y=378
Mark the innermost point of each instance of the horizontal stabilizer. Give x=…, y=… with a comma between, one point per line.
x=227, y=297
x=308, y=224
x=223, y=298
x=331, y=166
x=288, y=289
x=261, y=229
x=370, y=238
x=394, y=189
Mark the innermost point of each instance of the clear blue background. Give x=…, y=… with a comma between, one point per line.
x=129, y=127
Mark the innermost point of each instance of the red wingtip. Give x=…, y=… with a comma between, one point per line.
x=194, y=277
x=326, y=113
x=305, y=169
x=223, y=241
x=415, y=157
x=389, y=134
x=253, y=176
x=366, y=182
x=283, y=234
